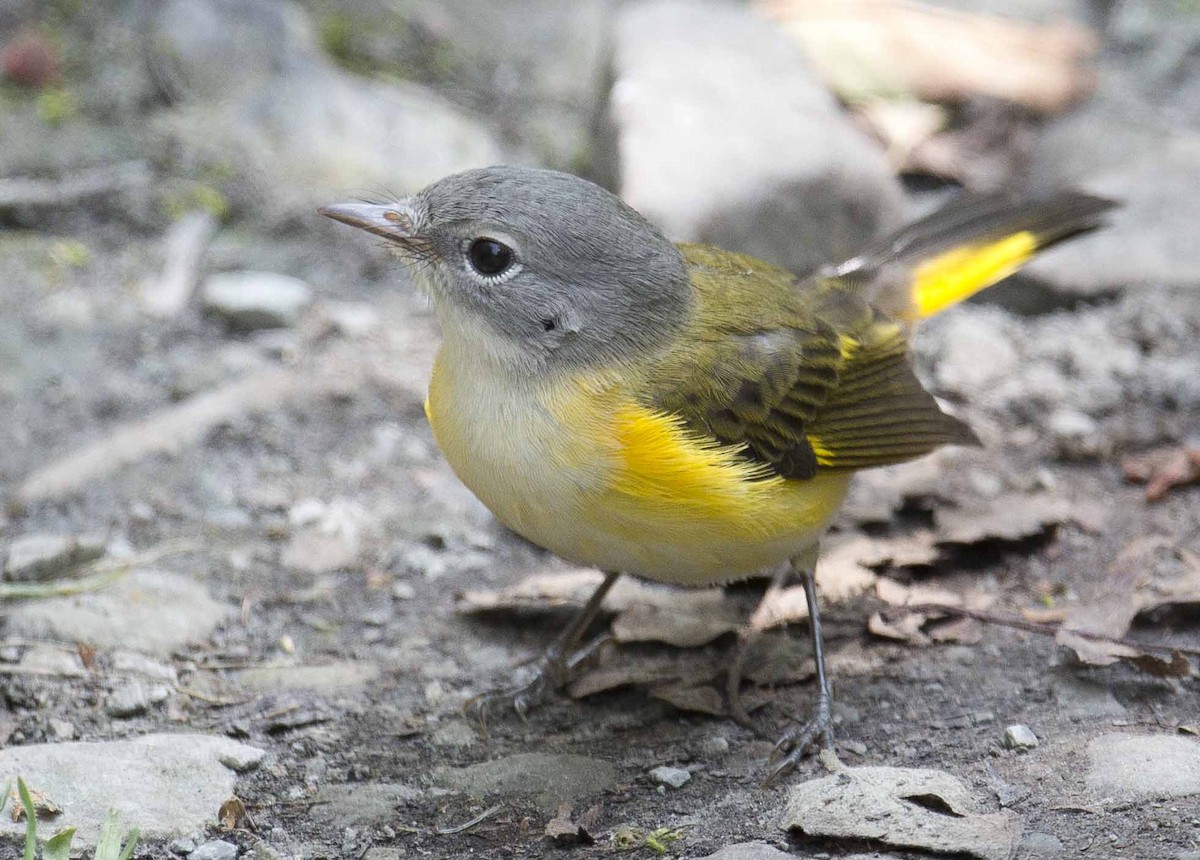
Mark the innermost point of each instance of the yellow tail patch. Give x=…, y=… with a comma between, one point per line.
x=958, y=274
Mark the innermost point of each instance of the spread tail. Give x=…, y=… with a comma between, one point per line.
x=966, y=247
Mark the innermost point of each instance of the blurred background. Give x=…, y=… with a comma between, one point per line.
x=189, y=353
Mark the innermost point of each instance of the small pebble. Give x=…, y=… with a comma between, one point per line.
x=217, y=849
x=130, y=700
x=183, y=845
x=676, y=777
x=61, y=730
x=1020, y=737
x=403, y=591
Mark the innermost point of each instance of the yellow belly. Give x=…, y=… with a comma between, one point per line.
x=580, y=468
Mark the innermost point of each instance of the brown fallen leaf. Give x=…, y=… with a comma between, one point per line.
x=649, y=670
x=43, y=806
x=1129, y=589
x=686, y=620
x=707, y=699
x=900, y=48
x=232, y=813
x=1164, y=469
x=1009, y=517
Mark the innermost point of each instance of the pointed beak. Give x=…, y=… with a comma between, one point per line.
x=394, y=221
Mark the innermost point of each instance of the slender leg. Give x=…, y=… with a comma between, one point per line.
x=799, y=738
x=556, y=666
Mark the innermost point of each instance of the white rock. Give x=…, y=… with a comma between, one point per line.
x=676, y=777
x=248, y=300
x=168, y=785
x=1020, y=737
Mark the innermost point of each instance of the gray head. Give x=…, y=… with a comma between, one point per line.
x=560, y=270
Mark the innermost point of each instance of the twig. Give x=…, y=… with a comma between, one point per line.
x=24, y=193
x=211, y=700
x=166, y=295
x=467, y=825
x=1033, y=626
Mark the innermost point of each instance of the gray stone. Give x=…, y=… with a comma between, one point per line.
x=242, y=758
x=131, y=700
x=61, y=730
x=183, y=845
x=676, y=777
x=327, y=678
x=748, y=851
x=368, y=804
x=296, y=129
x=216, y=849
x=1020, y=737
x=252, y=300
x=551, y=779
x=168, y=785
x=455, y=733
x=36, y=557
x=745, y=148
x=540, y=69
x=147, y=610
x=1136, y=768
x=878, y=804
x=1085, y=699
x=1148, y=240
x=1041, y=846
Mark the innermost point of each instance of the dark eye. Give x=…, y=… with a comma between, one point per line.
x=489, y=257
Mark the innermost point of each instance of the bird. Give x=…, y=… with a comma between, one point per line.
x=678, y=412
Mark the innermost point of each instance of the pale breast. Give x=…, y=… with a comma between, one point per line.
x=579, y=469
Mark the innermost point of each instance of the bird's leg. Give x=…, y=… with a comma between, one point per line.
x=556, y=666
x=800, y=738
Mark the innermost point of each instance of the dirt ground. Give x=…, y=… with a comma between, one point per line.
x=375, y=755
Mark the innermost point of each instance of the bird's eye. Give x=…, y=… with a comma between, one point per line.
x=489, y=257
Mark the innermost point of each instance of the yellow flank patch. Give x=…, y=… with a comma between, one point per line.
x=959, y=273
x=664, y=462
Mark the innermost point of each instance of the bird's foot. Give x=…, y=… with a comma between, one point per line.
x=800, y=739
x=552, y=672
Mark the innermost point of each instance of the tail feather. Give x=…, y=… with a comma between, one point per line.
x=966, y=247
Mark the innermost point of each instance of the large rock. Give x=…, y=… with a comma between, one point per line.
x=151, y=611
x=1137, y=140
x=538, y=69
x=1151, y=239
x=726, y=136
x=1140, y=768
x=166, y=785
x=293, y=127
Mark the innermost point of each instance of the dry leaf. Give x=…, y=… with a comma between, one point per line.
x=686, y=619
x=706, y=699
x=43, y=806
x=1129, y=590
x=1164, y=469
x=648, y=670
x=232, y=813
x=899, y=48
x=1010, y=517
x=901, y=807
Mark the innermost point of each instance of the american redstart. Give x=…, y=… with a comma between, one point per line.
x=680, y=412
